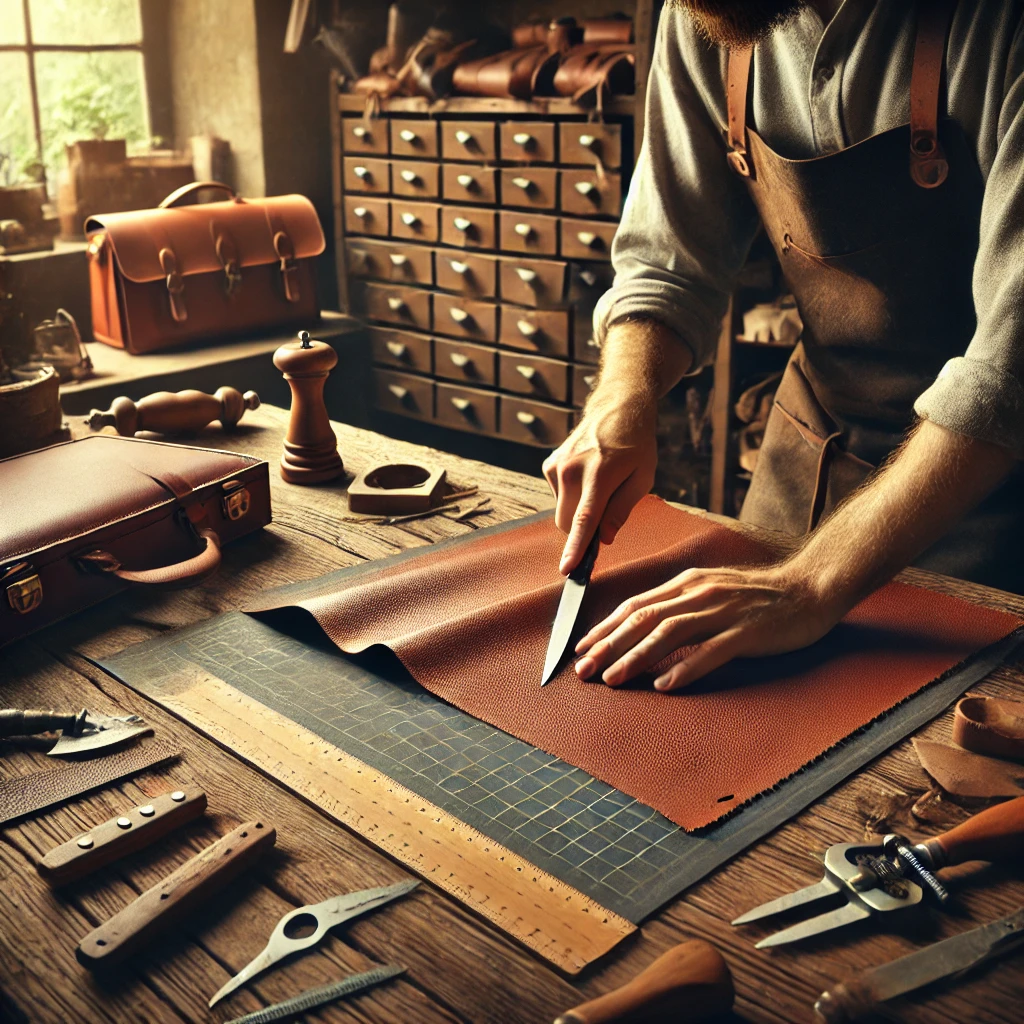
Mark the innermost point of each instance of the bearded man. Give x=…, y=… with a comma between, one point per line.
x=879, y=143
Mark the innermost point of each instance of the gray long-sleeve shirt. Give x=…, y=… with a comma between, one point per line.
x=689, y=221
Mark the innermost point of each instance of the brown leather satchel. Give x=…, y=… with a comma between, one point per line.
x=165, y=277
x=83, y=520
x=591, y=72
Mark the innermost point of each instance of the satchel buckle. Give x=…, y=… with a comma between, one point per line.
x=175, y=284
x=232, y=278
x=286, y=253
x=236, y=500
x=25, y=595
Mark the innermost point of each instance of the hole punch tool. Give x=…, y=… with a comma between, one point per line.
x=304, y=927
x=894, y=874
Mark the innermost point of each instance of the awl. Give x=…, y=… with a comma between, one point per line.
x=568, y=610
x=79, y=731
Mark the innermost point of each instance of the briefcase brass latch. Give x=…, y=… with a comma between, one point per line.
x=25, y=595
x=235, y=502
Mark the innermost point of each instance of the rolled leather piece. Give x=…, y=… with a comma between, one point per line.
x=588, y=73
x=383, y=84
x=517, y=74
x=992, y=726
x=963, y=773
x=617, y=29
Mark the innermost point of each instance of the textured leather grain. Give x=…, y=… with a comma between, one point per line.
x=471, y=622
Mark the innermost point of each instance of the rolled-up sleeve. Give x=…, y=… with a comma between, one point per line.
x=981, y=394
x=688, y=220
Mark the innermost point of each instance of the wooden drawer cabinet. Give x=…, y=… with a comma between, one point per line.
x=584, y=348
x=417, y=221
x=467, y=273
x=412, y=137
x=366, y=174
x=402, y=349
x=472, y=364
x=583, y=380
x=360, y=136
x=588, y=193
x=529, y=282
x=529, y=233
x=545, y=331
x=390, y=261
x=469, y=183
x=529, y=141
x=415, y=179
x=531, y=187
x=365, y=215
x=534, y=375
x=398, y=304
x=535, y=423
x=583, y=143
x=587, y=239
x=467, y=408
x=465, y=318
x=403, y=393
x=475, y=141
x=468, y=227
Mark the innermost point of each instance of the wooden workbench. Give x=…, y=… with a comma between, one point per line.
x=460, y=968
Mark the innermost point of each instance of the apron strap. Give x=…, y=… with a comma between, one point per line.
x=737, y=87
x=928, y=165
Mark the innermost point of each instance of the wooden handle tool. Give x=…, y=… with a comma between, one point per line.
x=690, y=982
x=170, y=412
x=120, y=836
x=166, y=903
x=14, y=722
x=995, y=834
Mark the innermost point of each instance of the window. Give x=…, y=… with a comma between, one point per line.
x=69, y=70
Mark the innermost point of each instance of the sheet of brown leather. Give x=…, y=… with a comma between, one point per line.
x=471, y=622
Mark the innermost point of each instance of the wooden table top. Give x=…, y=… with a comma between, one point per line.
x=460, y=969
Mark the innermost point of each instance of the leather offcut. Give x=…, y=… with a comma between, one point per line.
x=471, y=622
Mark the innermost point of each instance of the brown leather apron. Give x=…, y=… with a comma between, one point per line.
x=878, y=244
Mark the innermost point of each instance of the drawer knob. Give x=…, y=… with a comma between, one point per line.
x=459, y=360
x=360, y=132
x=588, y=277
x=464, y=405
x=398, y=259
x=527, y=276
x=588, y=238
x=460, y=316
x=397, y=349
x=410, y=177
x=524, y=230
x=406, y=135
x=590, y=380
x=410, y=220
x=524, y=183
x=362, y=173
x=462, y=223
x=592, y=342
x=528, y=419
x=524, y=139
x=467, y=181
x=462, y=269
x=526, y=329
x=527, y=372
x=402, y=394
x=396, y=303
x=361, y=212
x=588, y=141
x=463, y=138
x=587, y=189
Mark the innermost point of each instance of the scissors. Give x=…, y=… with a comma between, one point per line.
x=292, y=933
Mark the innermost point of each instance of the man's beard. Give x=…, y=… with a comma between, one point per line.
x=738, y=23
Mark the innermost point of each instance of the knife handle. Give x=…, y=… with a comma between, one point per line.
x=159, y=908
x=30, y=723
x=846, y=1002
x=994, y=834
x=586, y=567
x=120, y=836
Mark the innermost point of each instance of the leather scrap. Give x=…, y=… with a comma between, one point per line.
x=964, y=773
x=992, y=726
x=471, y=622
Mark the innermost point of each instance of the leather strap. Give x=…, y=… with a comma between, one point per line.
x=175, y=284
x=737, y=86
x=29, y=794
x=928, y=165
x=197, y=186
x=991, y=726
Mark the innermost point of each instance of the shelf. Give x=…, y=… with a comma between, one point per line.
x=353, y=103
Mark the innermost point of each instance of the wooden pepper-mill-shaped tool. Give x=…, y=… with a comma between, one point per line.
x=310, y=447
x=175, y=412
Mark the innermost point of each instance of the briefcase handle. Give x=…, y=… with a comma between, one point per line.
x=197, y=186
x=168, y=577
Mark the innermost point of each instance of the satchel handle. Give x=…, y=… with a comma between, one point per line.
x=197, y=186
x=171, y=577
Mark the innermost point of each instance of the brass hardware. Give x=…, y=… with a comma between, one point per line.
x=410, y=219
x=25, y=595
x=524, y=230
x=459, y=359
x=232, y=278
x=397, y=349
x=408, y=136
x=462, y=223
x=464, y=138
x=402, y=394
x=409, y=176
x=14, y=570
x=95, y=249
x=236, y=502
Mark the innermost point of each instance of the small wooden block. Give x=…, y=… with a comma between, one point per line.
x=395, y=490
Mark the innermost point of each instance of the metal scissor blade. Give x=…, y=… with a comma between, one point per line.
x=352, y=904
x=818, y=891
x=852, y=911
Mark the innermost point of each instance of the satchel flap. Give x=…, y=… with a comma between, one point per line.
x=192, y=233
x=57, y=494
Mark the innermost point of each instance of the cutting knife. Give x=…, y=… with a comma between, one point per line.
x=568, y=609
x=79, y=731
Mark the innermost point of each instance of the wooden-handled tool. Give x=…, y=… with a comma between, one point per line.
x=995, y=834
x=169, y=412
x=690, y=982
x=167, y=902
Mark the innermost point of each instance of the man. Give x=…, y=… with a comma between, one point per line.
x=879, y=144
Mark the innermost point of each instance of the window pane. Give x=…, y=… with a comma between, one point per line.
x=17, y=139
x=89, y=96
x=12, y=22
x=85, y=22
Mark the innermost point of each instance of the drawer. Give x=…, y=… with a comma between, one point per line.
x=403, y=349
x=398, y=304
x=582, y=143
x=545, y=331
x=412, y=137
x=588, y=282
x=471, y=364
x=536, y=423
x=416, y=179
x=467, y=273
x=475, y=141
x=583, y=380
x=532, y=282
x=414, y=220
x=584, y=348
x=390, y=261
x=587, y=239
x=465, y=318
x=583, y=193
x=534, y=375
x=467, y=408
x=366, y=174
x=468, y=183
x=529, y=141
x=468, y=227
x=366, y=216
x=359, y=135
x=529, y=233
x=403, y=393
x=534, y=187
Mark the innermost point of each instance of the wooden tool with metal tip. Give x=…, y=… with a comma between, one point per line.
x=175, y=412
x=690, y=982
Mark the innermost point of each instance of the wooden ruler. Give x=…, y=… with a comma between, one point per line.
x=553, y=919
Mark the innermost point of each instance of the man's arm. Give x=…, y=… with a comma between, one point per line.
x=928, y=485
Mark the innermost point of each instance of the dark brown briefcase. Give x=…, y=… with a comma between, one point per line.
x=81, y=521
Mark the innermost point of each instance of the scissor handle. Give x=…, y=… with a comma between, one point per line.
x=994, y=834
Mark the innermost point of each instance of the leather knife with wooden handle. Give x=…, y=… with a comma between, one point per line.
x=573, y=590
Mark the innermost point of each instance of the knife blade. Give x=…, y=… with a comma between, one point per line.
x=568, y=609
x=80, y=731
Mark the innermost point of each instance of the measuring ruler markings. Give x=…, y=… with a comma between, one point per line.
x=552, y=918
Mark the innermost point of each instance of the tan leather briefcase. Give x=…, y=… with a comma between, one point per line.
x=165, y=277
x=81, y=521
